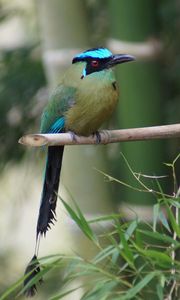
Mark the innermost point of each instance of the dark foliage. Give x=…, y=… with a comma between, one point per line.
x=21, y=76
x=170, y=35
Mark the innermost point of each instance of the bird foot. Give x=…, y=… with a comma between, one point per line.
x=73, y=136
x=98, y=137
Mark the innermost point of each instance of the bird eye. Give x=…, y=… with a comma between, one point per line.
x=94, y=63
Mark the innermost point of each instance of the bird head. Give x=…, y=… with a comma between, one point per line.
x=98, y=59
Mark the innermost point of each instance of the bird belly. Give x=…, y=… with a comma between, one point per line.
x=88, y=114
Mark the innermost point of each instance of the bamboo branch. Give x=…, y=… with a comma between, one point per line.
x=107, y=136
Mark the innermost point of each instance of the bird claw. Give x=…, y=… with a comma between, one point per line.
x=98, y=137
x=73, y=136
x=96, y=134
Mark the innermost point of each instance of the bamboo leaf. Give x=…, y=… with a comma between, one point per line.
x=155, y=215
x=12, y=289
x=103, y=218
x=164, y=221
x=109, y=250
x=127, y=253
x=159, y=236
x=175, y=203
x=160, y=291
x=115, y=256
x=158, y=256
x=60, y=296
x=139, y=240
x=80, y=221
x=102, y=290
x=131, y=293
x=172, y=219
x=130, y=230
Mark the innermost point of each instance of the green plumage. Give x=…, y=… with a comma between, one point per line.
x=85, y=104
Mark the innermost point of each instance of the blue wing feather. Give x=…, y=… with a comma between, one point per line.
x=57, y=126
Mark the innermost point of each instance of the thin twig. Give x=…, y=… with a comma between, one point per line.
x=106, y=136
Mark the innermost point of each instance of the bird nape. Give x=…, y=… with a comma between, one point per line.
x=85, y=97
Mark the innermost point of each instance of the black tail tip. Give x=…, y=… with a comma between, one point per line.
x=32, y=270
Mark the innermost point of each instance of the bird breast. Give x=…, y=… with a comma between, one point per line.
x=95, y=102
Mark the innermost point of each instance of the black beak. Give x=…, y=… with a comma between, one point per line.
x=120, y=59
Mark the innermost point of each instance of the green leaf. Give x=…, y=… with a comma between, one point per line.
x=12, y=289
x=175, y=203
x=160, y=258
x=130, y=230
x=101, y=290
x=60, y=296
x=160, y=293
x=172, y=219
x=80, y=221
x=164, y=221
x=103, y=218
x=127, y=253
x=131, y=293
x=115, y=256
x=109, y=250
x=155, y=215
x=139, y=240
x=159, y=236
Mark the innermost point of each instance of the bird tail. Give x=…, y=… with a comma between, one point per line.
x=47, y=214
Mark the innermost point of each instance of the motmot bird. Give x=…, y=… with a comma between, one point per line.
x=85, y=97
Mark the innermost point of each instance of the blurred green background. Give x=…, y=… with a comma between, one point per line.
x=38, y=40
